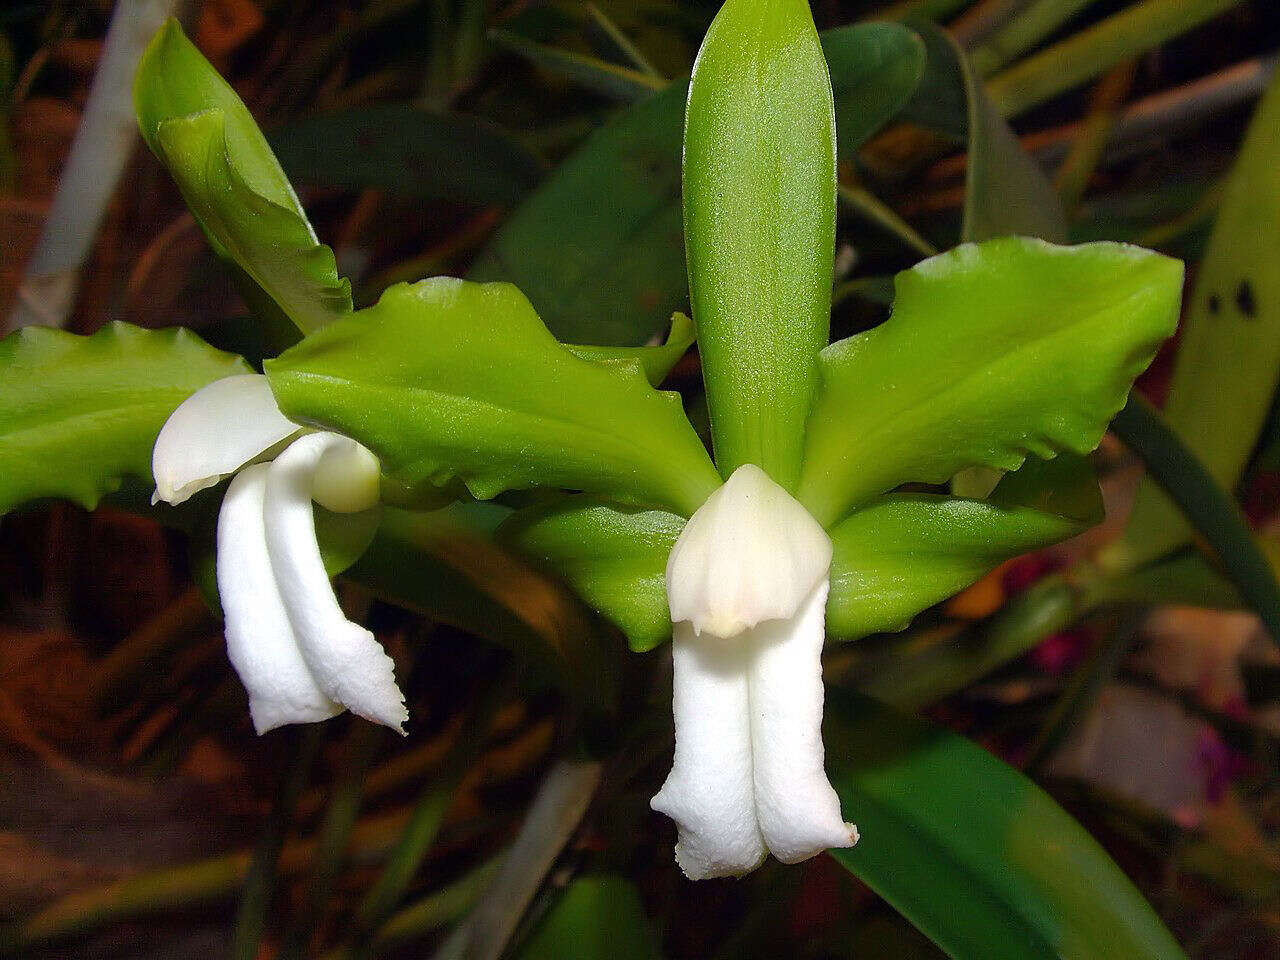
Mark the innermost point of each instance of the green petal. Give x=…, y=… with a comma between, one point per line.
x=994, y=351
x=79, y=414
x=906, y=552
x=614, y=558
x=446, y=378
x=759, y=217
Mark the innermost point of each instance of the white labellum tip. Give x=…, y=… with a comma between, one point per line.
x=750, y=553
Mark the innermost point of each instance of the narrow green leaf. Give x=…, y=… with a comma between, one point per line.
x=79, y=414
x=599, y=246
x=973, y=853
x=1209, y=508
x=759, y=219
x=197, y=126
x=906, y=552
x=1032, y=349
x=446, y=378
x=1006, y=191
x=408, y=151
x=610, y=79
x=1228, y=360
x=596, y=918
x=656, y=362
x=614, y=558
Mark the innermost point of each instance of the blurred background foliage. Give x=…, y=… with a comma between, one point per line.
x=538, y=142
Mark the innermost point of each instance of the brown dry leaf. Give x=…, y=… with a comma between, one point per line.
x=224, y=25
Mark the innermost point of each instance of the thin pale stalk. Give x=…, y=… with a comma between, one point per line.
x=872, y=209
x=558, y=808
x=102, y=146
x=1028, y=28
x=623, y=43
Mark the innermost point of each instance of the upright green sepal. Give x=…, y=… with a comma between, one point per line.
x=446, y=378
x=79, y=414
x=204, y=134
x=759, y=217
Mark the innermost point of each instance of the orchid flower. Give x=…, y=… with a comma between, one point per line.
x=747, y=583
x=299, y=657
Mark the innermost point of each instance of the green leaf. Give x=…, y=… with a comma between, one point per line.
x=972, y=852
x=596, y=918
x=759, y=220
x=1006, y=191
x=875, y=68
x=599, y=246
x=79, y=414
x=994, y=351
x=610, y=79
x=612, y=557
x=446, y=378
x=409, y=151
x=197, y=126
x=906, y=552
x=1209, y=508
x=1228, y=360
x=656, y=362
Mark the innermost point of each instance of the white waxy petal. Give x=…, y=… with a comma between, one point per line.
x=260, y=639
x=346, y=659
x=750, y=553
x=797, y=808
x=214, y=432
x=709, y=792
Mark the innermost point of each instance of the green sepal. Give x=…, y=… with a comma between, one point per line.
x=80, y=414
x=612, y=557
x=656, y=361
x=446, y=378
x=202, y=132
x=993, y=351
x=906, y=552
x=759, y=218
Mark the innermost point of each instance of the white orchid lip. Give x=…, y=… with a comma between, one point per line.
x=747, y=583
x=299, y=657
x=214, y=432
x=751, y=553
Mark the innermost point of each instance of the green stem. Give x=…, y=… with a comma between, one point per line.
x=1093, y=51
x=623, y=43
x=424, y=823
x=335, y=830
x=1205, y=504
x=261, y=879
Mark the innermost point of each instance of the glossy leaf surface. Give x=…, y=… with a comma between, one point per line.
x=199, y=128
x=972, y=852
x=1228, y=361
x=993, y=351
x=79, y=414
x=759, y=221
x=906, y=552
x=615, y=559
x=446, y=378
